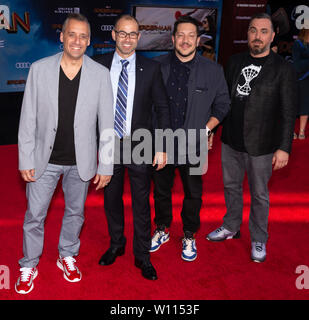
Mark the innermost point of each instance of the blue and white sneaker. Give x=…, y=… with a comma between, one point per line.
x=189, y=252
x=159, y=237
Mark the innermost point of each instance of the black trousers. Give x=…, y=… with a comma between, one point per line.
x=140, y=180
x=192, y=186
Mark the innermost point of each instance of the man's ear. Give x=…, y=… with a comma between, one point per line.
x=114, y=35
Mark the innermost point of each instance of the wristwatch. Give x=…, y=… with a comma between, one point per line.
x=208, y=132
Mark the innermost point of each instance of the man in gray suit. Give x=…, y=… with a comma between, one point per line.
x=64, y=97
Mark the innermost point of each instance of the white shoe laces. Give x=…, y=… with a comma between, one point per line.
x=26, y=273
x=157, y=235
x=188, y=244
x=69, y=261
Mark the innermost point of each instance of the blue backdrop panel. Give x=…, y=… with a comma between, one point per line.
x=30, y=29
x=24, y=42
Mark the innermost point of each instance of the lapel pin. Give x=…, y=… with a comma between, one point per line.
x=141, y=69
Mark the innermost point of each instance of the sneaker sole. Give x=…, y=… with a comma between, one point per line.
x=188, y=259
x=154, y=250
x=32, y=285
x=258, y=260
x=60, y=266
x=235, y=236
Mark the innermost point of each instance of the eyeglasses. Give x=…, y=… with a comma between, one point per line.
x=123, y=34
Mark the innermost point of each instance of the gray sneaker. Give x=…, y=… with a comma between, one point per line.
x=221, y=234
x=258, y=251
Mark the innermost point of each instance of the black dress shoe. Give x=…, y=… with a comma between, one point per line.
x=110, y=256
x=148, y=271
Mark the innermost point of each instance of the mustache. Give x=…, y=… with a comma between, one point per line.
x=257, y=41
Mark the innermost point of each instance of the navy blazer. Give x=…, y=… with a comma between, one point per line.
x=149, y=91
x=207, y=91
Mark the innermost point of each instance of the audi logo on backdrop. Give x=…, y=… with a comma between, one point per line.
x=106, y=27
x=22, y=65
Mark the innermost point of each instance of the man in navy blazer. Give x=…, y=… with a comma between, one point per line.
x=141, y=88
x=199, y=100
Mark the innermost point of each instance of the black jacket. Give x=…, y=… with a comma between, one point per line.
x=270, y=110
x=207, y=91
x=149, y=91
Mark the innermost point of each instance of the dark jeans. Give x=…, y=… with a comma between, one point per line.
x=192, y=185
x=259, y=170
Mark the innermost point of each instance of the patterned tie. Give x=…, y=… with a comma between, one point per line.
x=121, y=102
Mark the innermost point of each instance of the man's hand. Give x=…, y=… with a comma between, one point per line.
x=101, y=181
x=280, y=159
x=160, y=159
x=28, y=175
x=210, y=141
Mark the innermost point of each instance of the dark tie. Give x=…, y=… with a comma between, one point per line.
x=121, y=102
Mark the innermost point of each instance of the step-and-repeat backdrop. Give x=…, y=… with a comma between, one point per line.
x=30, y=29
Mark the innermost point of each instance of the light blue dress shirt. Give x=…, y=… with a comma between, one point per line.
x=115, y=70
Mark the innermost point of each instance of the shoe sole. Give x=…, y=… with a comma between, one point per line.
x=154, y=250
x=235, y=236
x=32, y=285
x=140, y=267
x=60, y=266
x=103, y=263
x=188, y=259
x=258, y=260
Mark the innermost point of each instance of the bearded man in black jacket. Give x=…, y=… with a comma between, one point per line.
x=258, y=132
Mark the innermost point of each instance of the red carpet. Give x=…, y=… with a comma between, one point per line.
x=222, y=270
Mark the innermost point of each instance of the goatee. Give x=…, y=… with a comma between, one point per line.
x=185, y=55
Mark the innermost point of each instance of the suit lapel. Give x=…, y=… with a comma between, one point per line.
x=82, y=90
x=52, y=78
x=139, y=76
x=165, y=68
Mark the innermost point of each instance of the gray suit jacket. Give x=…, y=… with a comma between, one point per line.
x=39, y=116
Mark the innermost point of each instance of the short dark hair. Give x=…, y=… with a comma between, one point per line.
x=262, y=15
x=185, y=19
x=125, y=17
x=75, y=16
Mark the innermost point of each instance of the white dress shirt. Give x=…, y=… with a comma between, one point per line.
x=115, y=71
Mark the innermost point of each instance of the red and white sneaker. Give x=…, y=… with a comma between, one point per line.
x=70, y=270
x=24, y=283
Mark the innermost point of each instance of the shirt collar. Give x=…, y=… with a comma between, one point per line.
x=131, y=59
x=188, y=64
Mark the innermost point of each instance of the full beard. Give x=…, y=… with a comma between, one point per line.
x=255, y=50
